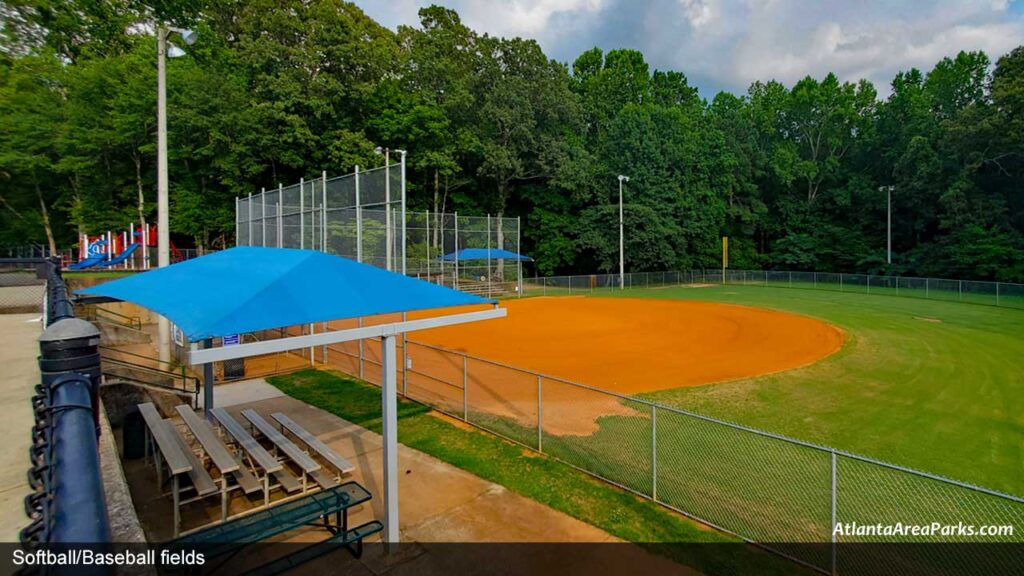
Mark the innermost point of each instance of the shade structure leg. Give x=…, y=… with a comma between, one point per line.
x=208, y=382
x=389, y=402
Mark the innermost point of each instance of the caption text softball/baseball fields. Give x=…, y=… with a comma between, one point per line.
x=89, y=557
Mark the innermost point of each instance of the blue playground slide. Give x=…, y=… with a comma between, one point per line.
x=120, y=257
x=87, y=263
x=97, y=253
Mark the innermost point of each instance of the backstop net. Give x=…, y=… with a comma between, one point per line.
x=363, y=216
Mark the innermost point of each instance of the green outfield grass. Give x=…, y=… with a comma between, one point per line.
x=933, y=385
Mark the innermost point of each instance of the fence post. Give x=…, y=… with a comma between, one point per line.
x=926, y=289
x=960, y=290
x=654, y=452
x=465, y=388
x=840, y=281
x=897, y=285
x=302, y=214
x=869, y=284
x=832, y=528
x=540, y=415
x=405, y=360
x=790, y=279
x=997, y=293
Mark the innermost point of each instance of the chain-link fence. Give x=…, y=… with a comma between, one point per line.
x=22, y=286
x=783, y=494
x=973, y=291
x=362, y=216
x=356, y=215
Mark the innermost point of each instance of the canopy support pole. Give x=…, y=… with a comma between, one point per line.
x=389, y=402
x=208, y=380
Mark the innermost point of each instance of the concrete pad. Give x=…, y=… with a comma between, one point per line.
x=483, y=518
x=19, y=346
x=235, y=393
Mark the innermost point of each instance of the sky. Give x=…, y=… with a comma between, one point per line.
x=727, y=44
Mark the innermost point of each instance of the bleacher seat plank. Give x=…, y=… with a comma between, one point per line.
x=287, y=480
x=247, y=481
x=201, y=479
x=173, y=455
x=342, y=465
x=290, y=449
x=324, y=479
x=253, y=448
x=212, y=445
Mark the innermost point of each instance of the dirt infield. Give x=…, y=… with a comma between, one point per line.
x=622, y=345
x=641, y=345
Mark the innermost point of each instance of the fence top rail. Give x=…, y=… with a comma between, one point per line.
x=718, y=272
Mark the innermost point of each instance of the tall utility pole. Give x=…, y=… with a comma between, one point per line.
x=888, y=221
x=163, y=238
x=622, y=243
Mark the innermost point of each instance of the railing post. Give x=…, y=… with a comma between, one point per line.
x=540, y=415
x=654, y=452
x=465, y=388
x=832, y=528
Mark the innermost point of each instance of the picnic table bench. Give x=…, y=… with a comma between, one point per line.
x=307, y=464
x=222, y=458
x=175, y=454
x=258, y=455
x=227, y=538
x=339, y=463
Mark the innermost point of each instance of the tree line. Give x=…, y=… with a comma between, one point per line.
x=275, y=90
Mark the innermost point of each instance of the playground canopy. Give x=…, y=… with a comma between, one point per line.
x=467, y=254
x=245, y=289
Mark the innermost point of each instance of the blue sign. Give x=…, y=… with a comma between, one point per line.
x=232, y=339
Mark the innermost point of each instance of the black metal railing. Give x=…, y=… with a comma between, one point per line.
x=67, y=503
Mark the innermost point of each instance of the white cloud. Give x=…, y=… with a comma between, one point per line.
x=727, y=44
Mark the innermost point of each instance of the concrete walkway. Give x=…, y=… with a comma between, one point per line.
x=19, y=346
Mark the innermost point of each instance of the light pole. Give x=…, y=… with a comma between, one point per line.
x=888, y=220
x=389, y=235
x=163, y=238
x=622, y=244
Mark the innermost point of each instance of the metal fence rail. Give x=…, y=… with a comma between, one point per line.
x=1006, y=294
x=67, y=502
x=780, y=493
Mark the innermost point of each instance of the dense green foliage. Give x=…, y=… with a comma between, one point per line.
x=279, y=89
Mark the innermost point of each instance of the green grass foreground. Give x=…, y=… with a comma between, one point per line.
x=552, y=483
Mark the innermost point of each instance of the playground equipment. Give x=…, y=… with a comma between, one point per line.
x=127, y=250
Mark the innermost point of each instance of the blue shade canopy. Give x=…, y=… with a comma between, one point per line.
x=246, y=289
x=482, y=254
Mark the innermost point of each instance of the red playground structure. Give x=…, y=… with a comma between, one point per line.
x=127, y=250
